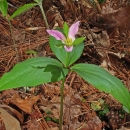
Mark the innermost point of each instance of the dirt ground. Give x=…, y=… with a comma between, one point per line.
x=107, y=44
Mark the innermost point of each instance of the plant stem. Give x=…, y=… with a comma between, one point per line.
x=44, y=16
x=67, y=59
x=15, y=47
x=61, y=103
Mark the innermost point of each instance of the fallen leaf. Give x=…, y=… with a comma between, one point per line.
x=108, y=8
x=25, y=104
x=112, y=21
x=13, y=112
x=10, y=122
x=94, y=124
x=33, y=125
x=63, y=2
x=55, y=128
x=123, y=128
x=10, y=94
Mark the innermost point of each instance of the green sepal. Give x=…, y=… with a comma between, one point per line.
x=65, y=29
x=78, y=41
x=3, y=7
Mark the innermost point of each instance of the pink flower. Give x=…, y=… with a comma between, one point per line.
x=67, y=41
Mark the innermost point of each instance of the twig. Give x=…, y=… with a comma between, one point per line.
x=15, y=47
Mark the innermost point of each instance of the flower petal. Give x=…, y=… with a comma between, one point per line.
x=68, y=49
x=58, y=35
x=73, y=30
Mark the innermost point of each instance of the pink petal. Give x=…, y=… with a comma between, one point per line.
x=58, y=35
x=68, y=49
x=73, y=30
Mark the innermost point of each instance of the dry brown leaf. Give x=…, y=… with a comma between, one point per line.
x=26, y=104
x=55, y=128
x=10, y=94
x=112, y=21
x=102, y=39
x=87, y=4
x=124, y=128
x=10, y=122
x=52, y=125
x=98, y=5
x=33, y=125
x=108, y=8
x=63, y=2
x=71, y=113
x=13, y=112
x=94, y=124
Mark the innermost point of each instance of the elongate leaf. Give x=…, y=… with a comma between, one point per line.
x=23, y=9
x=32, y=72
x=62, y=55
x=3, y=7
x=104, y=81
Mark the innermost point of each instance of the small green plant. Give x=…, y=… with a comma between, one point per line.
x=26, y=7
x=3, y=7
x=101, y=108
x=68, y=49
x=20, y=10
x=4, y=10
x=98, y=105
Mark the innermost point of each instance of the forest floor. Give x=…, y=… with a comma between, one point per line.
x=107, y=44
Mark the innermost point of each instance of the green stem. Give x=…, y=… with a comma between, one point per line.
x=61, y=103
x=15, y=47
x=67, y=59
x=44, y=16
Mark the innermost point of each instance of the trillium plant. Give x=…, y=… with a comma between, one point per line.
x=67, y=49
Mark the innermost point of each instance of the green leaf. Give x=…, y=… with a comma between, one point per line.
x=23, y=9
x=47, y=118
x=101, y=1
x=104, y=81
x=60, y=45
x=48, y=112
x=105, y=110
x=55, y=120
x=38, y=1
x=79, y=40
x=56, y=72
x=65, y=29
x=31, y=52
x=96, y=106
x=3, y=7
x=61, y=53
x=101, y=101
x=32, y=72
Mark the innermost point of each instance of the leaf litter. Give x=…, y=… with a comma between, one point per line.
x=107, y=45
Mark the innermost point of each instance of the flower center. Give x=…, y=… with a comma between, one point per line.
x=68, y=41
